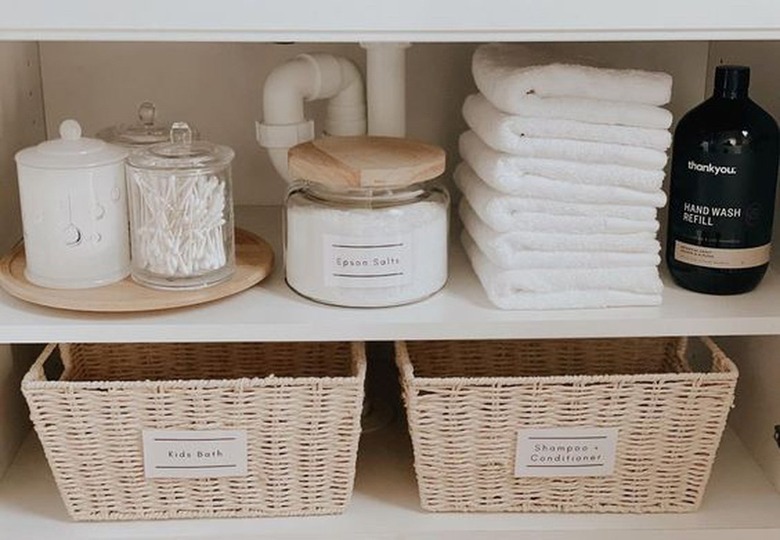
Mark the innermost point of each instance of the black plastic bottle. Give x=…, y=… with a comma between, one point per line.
x=722, y=194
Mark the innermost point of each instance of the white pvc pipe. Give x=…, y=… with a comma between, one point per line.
x=346, y=113
x=278, y=157
x=305, y=78
x=286, y=89
x=386, y=88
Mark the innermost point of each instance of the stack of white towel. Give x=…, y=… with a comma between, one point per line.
x=561, y=180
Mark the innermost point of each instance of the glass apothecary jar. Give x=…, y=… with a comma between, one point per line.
x=181, y=212
x=366, y=227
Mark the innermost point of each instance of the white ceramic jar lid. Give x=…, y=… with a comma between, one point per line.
x=70, y=151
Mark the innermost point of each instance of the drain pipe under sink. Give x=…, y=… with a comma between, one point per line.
x=308, y=77
x=386, y=88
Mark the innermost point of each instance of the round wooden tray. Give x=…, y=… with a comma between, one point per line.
x=254, y=261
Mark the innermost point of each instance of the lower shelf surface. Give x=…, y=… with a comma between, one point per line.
x=740, y=503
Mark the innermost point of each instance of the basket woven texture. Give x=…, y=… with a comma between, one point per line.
x=466, y=401
x=299, y=403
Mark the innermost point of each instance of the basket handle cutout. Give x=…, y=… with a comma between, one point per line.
x=703, y=355
x=54, y=368
x=49, y=366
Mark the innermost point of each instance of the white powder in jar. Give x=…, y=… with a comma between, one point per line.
x=365, y=257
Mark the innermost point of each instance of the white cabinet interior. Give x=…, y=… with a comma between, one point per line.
x=218, y=86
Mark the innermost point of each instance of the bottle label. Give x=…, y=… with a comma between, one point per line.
x=731, y=259
x=721, y=208
x=366, y=262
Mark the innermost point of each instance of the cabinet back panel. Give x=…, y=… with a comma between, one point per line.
x=218, y=86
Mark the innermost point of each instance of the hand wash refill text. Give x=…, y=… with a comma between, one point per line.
x=724, y=173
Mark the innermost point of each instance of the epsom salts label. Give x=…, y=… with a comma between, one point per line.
x=555, y=452
x=194, y=454
x=379, y=261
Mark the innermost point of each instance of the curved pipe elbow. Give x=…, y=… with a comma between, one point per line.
x=286, y=89
x=305, y=78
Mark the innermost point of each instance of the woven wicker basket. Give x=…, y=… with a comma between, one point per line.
x=299, y=404
x=467, y=400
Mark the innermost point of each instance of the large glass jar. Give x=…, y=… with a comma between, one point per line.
x=366, y=247
x=181, y=212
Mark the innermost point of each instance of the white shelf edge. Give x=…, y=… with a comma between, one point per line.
x=415, y=36
x=272, y=312
x=352, y=20
x=385, y=504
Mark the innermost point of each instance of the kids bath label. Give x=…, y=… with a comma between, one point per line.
x=194, y=454
x=555, y=452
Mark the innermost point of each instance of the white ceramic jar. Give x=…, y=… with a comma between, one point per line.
x=74, y=211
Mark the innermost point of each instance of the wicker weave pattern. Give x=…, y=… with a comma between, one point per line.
x=302, y=420
x=464, y=428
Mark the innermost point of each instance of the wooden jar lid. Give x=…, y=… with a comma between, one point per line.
x=365, y=161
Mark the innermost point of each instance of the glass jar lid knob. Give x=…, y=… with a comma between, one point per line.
x=146, y=113
x=181, y=133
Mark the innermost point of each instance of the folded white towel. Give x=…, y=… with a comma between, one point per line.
x=562, y=180
x=502, y=246
x=496, y=129
x=566, y=288
x=561, y=128
x=525, y=260
x=502, y=221
x=504, y=212
x=504, y=70
x=594, y=111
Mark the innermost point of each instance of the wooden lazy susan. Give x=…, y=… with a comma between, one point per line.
x=254, y=262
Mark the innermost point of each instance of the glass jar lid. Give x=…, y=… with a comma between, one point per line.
x=181, y=152
x=144, y=132
x=71, y=151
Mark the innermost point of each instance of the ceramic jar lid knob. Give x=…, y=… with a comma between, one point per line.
x=70, y=130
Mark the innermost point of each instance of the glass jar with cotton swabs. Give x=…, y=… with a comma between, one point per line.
x=181, y=212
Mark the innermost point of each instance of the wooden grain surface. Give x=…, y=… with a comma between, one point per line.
x=366, y=161
x=254, y=262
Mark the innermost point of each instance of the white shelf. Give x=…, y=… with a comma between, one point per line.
x=350, y=20
x=739, y=503
x=272, y=312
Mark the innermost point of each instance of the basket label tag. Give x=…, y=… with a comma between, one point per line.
x=194, y=454
x=556, y=452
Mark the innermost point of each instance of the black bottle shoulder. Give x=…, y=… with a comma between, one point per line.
x=732, y=122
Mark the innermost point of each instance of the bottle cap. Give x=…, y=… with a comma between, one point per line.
x=732, y=81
